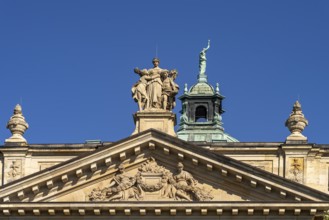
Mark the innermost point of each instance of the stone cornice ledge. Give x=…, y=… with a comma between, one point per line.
x=49, y=182
x=163, y=208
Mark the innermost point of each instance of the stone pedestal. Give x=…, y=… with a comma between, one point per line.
x=16, y=140
x=161, y=120
x=296, y=138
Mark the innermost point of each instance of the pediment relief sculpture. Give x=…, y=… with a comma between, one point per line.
x=96, y=177
x=152, y=182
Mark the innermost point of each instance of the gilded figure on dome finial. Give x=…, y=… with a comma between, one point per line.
x=203, y=59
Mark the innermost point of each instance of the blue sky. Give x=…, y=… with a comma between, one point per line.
x=70, y=63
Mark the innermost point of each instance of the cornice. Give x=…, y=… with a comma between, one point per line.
x=163, y=209
x=103, y=162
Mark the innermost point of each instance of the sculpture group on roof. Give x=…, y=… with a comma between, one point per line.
x=155, y=88
x=155, y=91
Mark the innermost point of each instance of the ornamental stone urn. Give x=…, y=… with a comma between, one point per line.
x=296, y=124
x=17, y=126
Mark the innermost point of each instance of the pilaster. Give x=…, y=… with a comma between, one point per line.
x=295, y=162
x=13, y=163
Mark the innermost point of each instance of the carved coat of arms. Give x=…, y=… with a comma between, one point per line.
x=152, y=182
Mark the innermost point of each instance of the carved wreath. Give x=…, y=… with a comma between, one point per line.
x=150, y=187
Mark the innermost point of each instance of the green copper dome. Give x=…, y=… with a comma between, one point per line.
x=202, y=109
x=202, y=88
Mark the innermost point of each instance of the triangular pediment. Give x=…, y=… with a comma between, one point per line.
x=150, y=161
x=153, y=179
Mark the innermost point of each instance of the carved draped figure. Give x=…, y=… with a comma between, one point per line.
x=125, y=188
x=184, y=185
x=139, y=93
x=184, y=178
x=154, y=88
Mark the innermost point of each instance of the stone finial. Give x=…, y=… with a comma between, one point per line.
x=17, y=126
x=217, y=88
x=185, y=88
x=296, y=124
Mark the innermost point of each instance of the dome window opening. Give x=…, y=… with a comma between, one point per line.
x=201, y=114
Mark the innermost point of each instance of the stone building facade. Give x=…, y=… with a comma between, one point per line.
x=200, y=172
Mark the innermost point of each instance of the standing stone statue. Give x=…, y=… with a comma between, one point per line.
x=203, y=60
x=139, y=90
x=169, y=89
x=156, y=88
